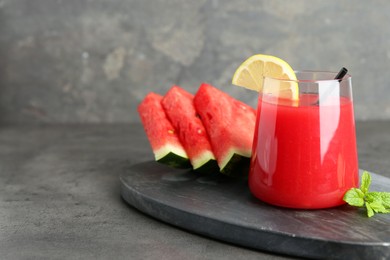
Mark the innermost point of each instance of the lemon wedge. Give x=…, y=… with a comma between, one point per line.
x=251, y=72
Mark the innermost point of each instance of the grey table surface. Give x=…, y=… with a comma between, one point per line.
x=59, y=195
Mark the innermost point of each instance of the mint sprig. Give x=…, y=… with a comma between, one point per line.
x=374, y=201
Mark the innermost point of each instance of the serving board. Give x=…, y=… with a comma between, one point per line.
x=224, y=209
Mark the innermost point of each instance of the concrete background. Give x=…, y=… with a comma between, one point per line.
x=93, y=60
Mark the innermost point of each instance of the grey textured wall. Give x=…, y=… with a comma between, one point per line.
x=94, y=60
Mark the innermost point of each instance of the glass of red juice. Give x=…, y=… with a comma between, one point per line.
x=304, y=149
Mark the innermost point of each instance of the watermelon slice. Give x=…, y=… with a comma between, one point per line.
x=162, y=136
x=179, y=107
x=230, y=125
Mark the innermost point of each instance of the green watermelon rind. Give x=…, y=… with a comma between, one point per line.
x=209, y=167
x=236, y=163
x=173, y=156
x=205, y=163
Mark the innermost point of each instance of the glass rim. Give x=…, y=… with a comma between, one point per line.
x=346, y=77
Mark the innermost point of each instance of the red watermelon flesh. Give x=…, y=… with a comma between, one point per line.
x=179, y=107
x=230, y=125
x=162, y=136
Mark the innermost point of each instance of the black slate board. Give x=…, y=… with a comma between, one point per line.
x=224, y=209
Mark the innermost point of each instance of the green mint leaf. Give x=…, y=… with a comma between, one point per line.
x=354, y=197
x=383, y=197
x=374, y=201
x=373, y=197
x=370, y=212
x=377, y=207
x=366, y=182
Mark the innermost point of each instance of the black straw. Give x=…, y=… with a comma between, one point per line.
x=341, y=74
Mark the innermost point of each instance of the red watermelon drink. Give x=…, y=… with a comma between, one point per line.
x=304, y=151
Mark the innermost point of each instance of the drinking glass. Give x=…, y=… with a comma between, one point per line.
x=304, y=149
